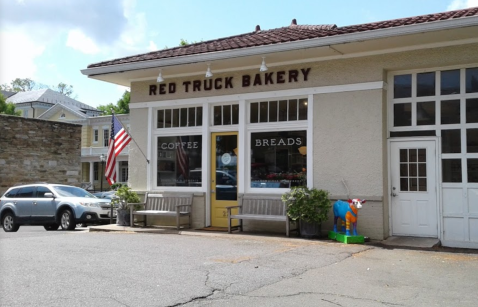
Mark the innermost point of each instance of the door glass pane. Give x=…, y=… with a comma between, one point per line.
x=450, y=112
x=403, y=155
x=412, y=155
x=254, y=112
x=422, y=170
x=471, y=140
x=472, y=166
x=450, y=82
x=283, y=110
x=26, y=192
x=472, y=110
x=472, y=80
x=426, y=113
x=403, y=184
x=451, y=141
x=293, y=109
x=426, y=84
x=403, y=169
x=235, y=114
x=272, y=111
x=451, y=169
x=226, y=115
x=217, y=115
x=402, y=86
x=413, y=184
x=263, y=112
x=422, y=184
x=402, y=114
x=225, y=178
x=422, y=155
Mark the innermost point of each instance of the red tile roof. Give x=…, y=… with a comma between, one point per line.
x=291, y=33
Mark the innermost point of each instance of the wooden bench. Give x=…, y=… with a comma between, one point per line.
x=165, y=205
x=263, y=208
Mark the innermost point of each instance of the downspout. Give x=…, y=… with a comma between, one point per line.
x=31, y=106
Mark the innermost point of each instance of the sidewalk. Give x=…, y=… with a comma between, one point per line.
x=391, y=242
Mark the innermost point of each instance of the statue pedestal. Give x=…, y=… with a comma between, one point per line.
x=341, y=237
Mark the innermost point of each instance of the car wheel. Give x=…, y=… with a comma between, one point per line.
x=8, y=223
x=51, y=227
x=67, y=221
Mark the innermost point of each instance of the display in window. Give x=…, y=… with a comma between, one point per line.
x=177, y=158
x=278, y=159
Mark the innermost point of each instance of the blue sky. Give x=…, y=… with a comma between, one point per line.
x=50, y=41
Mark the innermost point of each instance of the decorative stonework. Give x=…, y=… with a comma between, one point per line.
x=33, y=150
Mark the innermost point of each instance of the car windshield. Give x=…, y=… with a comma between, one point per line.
x=67, y=191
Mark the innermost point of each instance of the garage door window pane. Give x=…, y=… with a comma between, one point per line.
x=450, y=82
x=402, y=114
x=472, y=165
x=471, y=140
x=451, y=141
x=450, y=112
x=451, y=169
x=402, y=86
x=426, y=84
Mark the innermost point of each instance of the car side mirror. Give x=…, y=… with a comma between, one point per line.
x=49, y=195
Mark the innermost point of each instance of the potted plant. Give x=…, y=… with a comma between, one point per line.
x=310, y=207
x=125, y=198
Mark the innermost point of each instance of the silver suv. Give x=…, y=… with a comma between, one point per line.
x=51, y=205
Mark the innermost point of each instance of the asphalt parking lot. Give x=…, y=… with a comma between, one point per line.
x=82, y=268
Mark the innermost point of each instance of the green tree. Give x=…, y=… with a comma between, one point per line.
x=7, y=107
x=64, y=89
x=121, y=107
x=26, y=84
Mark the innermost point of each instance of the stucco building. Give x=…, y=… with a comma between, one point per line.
x=384, y=111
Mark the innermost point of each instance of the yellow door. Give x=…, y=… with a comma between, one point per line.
x=223, y=176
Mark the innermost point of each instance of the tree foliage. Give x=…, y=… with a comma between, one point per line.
x=7, y=107
x=121, y=107
x=27, y=84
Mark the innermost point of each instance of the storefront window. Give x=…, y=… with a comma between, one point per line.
x=178, y=159
x=278, y=159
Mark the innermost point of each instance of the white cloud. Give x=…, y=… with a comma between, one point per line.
x=461, y=4
x=79, y=41
x=17, y=61
x=152, y=46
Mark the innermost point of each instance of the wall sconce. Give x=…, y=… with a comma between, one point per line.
x=263, y=65
x=160, y=76
x=208, y=72
x=303, y=150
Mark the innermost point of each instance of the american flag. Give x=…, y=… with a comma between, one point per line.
x=183, y=160
x=118, y=140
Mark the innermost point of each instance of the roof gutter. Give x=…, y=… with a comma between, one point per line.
x=304, y=44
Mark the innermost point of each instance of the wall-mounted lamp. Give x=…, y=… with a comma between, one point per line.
x=160, y=76
x=208, y=72
x=263, y=65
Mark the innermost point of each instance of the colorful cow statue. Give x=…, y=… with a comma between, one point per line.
x=347, y=211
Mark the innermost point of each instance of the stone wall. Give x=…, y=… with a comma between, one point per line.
x=33, y=150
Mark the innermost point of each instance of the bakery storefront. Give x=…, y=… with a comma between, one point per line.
x=386, y=112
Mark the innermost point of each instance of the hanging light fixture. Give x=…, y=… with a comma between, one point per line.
x=160, y=76
x=263, y=65
x=208, y=72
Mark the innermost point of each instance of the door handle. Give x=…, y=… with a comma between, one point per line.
x=213, y=191
x=394, y=195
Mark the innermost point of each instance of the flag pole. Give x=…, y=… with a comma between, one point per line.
x=132, y=139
